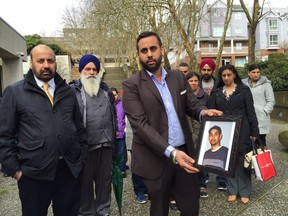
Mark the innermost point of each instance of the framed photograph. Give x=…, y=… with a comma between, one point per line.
x=217, y=144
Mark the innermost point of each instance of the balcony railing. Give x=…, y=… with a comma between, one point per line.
x=214, y=50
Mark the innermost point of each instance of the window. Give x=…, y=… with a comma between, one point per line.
x=226, y=61
x=217, y=31
x=238, y=46
x=240, y=62
x=217, y=13
x=273, y=25
x=210, y=47
x=237, y=16
x=238, y=30
x=273, y=40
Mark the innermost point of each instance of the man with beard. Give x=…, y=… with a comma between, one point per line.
x=156, y=102
x=96, y=103
x=41, y=137
x=208, y=81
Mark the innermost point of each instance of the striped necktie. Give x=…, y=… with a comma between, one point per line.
x=45, y=87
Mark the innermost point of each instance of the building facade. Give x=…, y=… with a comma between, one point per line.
x=235, y=49
x=272, y=33
x=13, y=52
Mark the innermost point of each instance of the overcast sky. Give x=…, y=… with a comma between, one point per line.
x=35, y=16
x=45, y=17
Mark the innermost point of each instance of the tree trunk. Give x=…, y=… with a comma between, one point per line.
x=226, y=25
x=253, y=22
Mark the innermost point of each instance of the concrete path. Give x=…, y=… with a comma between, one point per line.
x=268, y=198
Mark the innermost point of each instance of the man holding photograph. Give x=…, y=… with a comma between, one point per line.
x=156, y=103
x=217, y=155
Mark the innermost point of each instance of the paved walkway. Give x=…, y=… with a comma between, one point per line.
x=268, y=198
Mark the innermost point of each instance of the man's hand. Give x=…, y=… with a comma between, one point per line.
x=186, y=162
x=18, y=175
x=211, y=112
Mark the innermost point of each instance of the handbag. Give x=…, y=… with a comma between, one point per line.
x=263, y=163
x=248, y=159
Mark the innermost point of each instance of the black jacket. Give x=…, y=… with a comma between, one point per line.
x=34, y=134
x=240, y=103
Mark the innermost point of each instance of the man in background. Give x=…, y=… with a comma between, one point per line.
x=208, y=81
x=184, y=68
x=96, y=102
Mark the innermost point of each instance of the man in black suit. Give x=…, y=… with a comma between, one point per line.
x=42, y=140
x=156, y=103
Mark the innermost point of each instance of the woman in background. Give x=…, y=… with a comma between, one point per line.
x=263, y=97
x=234, y=98
x=193, y=79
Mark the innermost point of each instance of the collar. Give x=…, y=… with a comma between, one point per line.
x=164, y=74
x=40, y=82
x=216, y=149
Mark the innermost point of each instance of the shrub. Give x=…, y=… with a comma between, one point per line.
x=275, y=69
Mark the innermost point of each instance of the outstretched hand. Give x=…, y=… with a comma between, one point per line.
x=186, y=162
x=211, y=112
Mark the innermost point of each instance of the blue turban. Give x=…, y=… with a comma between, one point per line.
x=86, y=59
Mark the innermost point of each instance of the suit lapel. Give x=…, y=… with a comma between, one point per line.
x=150, y=85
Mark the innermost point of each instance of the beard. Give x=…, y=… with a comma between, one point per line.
x=91, y=84
x=154, y=67
x=206, y=77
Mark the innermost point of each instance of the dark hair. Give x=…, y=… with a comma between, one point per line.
x=253, y=67
x=183, y=64
x=147, y=34
x=113, y=89
x=217, y=128
x=230, y=67
x=191, y=74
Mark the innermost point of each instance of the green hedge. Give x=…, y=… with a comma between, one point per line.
x=276, y=70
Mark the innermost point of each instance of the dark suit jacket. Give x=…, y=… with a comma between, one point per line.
x=145, y=110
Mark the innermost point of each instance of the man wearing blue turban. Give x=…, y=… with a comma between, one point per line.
x=96, y=102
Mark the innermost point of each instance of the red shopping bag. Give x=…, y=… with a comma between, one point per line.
x=264, y=166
